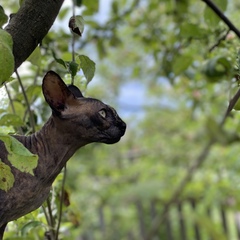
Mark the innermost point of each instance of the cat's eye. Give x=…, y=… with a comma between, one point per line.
x=103, y=113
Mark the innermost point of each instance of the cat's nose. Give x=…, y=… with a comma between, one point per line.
x=123, y=127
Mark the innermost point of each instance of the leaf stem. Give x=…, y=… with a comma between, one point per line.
x=10, y=98
x=12, y=105
x=61, y=202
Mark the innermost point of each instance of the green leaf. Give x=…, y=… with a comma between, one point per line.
x=6, y=39
x=217, y=67
x=6, y=178
x=91, y=7
x=181, y=63
x=11, y=119
x=102, y=52
x=59, y=60
x=20, y=109
x=189, y=30
x=3, y=16
x=63, y=13
x=30, y=226
x=88, y=67
x=6, y=56
x=33, y=91
x=19, y=156
x=35, y=57
x=73, y=68
x=210, y=17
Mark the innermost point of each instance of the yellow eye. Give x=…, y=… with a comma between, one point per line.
x=103, y=113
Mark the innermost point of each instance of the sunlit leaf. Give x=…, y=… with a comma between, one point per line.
x=88, y=67
x=19, y=156
x=35, y=57
x=11, y=120
x=6, y=177
x=20, y=109
x=6, y=56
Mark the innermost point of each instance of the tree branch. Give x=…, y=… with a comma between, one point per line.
x=30, y=25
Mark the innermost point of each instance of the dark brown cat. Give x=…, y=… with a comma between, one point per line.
x=75, y=122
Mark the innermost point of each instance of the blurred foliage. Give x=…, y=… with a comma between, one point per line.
x=184, y=63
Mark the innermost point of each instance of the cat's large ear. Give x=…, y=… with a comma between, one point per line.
x=75, y=91
x=56, y=92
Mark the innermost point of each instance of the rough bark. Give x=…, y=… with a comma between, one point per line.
x=30, y=25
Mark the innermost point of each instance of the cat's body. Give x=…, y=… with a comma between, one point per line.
x=75, y=122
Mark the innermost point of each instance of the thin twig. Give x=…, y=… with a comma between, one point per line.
x=12, y=105
x=230, y=107
x=46, y=215
x=10, y=98
x=219, y=41
x=27, y=102
x=51, y=219
x=61, y=202
x=73, y=39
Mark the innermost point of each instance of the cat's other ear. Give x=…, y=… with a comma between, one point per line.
x=75, y=91
x=56, y=92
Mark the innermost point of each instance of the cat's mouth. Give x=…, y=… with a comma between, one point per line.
x=114, y=137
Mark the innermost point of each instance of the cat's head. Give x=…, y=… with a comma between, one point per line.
x=86, y=119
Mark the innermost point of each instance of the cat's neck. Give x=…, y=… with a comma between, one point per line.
x=53, y=147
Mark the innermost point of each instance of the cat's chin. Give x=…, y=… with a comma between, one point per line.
x=111, y=141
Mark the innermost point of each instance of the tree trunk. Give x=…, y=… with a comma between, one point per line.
x=30, y=25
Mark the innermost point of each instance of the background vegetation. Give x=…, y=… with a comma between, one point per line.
x=170, y=68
